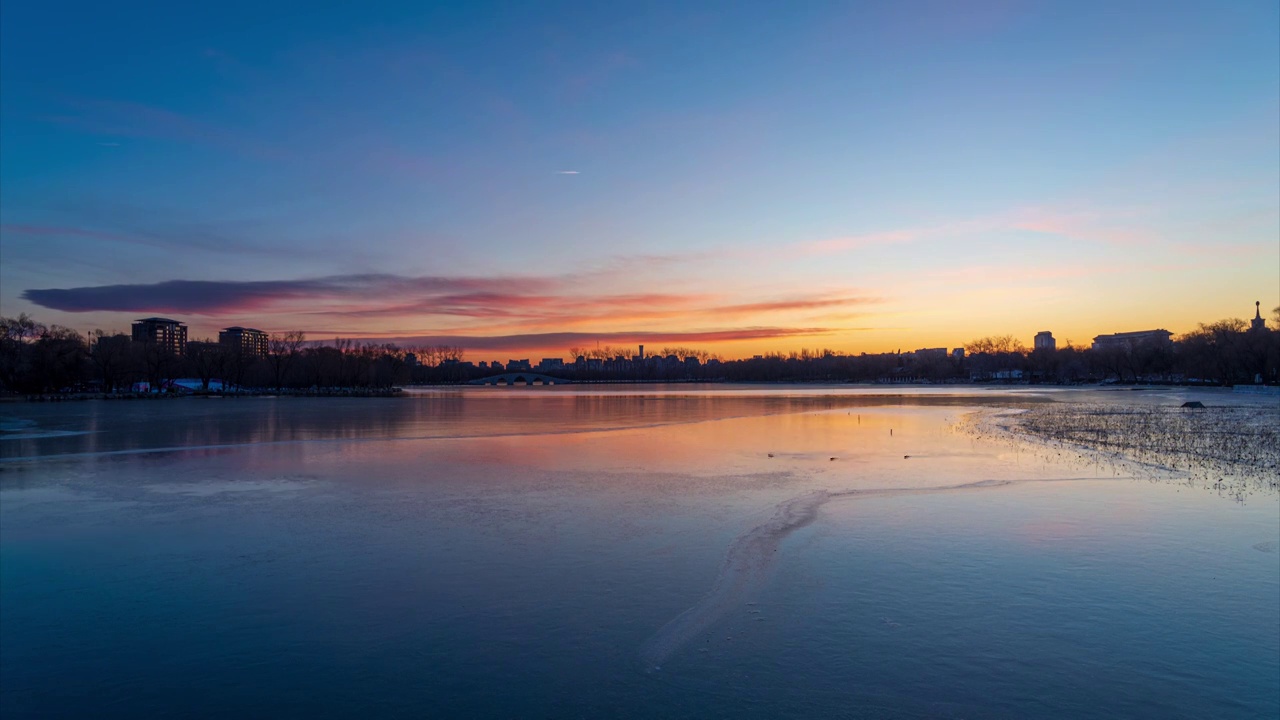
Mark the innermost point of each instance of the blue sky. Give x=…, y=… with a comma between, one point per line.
x=863, y=176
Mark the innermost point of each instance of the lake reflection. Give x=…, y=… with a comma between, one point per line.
x=678, y=552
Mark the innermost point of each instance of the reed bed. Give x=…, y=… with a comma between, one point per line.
x=1235, y=450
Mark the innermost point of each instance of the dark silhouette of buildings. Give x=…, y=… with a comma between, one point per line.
x=168, y=335
x=1130, y=340
x=1257, y=323
x=248, y=341
x=1044, y=341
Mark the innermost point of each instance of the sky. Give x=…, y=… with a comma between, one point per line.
x=739, y=177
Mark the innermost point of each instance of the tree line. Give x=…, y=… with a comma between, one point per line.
x=38, y=358
x=1226, y=352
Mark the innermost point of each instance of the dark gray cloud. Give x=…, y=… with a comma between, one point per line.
x=213, y=297
x=380, y=295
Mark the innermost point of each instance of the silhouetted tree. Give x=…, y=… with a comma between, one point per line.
x=16, y=335
x=112, y=357
x=1214, y=351
x=282, y=353
x=207, y=359
x=158, y=362
x=59, y=359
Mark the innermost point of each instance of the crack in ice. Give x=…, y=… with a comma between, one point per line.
x=751, y=556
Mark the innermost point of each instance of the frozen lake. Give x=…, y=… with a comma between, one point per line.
x=620, y=552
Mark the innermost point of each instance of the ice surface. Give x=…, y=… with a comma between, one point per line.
x=517, y=552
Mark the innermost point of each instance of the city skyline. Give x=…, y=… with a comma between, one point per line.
x=256, y=342
x=526, y=181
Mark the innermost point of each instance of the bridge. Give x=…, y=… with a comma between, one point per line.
x=523, y=378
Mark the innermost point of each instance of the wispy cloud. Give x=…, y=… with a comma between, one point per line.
x=855, y=242
x=803, y=303
x=590, y=75
x=472, y=306
x=1123, y=227
x=121, y=118
x=138, y=228
x=567, y=172
x=43, y=231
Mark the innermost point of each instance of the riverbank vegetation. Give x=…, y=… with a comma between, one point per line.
x=41, y=359
x=1234, y=449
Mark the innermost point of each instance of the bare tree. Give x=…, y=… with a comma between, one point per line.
x=207, y=359
x=160, y=364
x=282, y=353
x=59, y=356
x=111, y=355
x=996, y=345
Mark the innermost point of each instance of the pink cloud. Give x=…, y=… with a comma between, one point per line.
x=1111, y=228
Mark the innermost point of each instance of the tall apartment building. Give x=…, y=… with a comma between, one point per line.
x=1044, y=341
x=248, y=341
x=169, y=335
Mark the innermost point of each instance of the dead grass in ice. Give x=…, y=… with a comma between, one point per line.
x=1235, y=450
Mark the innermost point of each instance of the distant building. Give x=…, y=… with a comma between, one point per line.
x=1131, y=340
x=519, y=365
x=248, y=341
x=1044, y=341
x=1257, y=323
x=931, y=354
x=169, y=335
x=551, y=364
x=958, y=354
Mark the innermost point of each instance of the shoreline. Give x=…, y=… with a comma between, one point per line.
x=405, y=391
x=200, y=395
